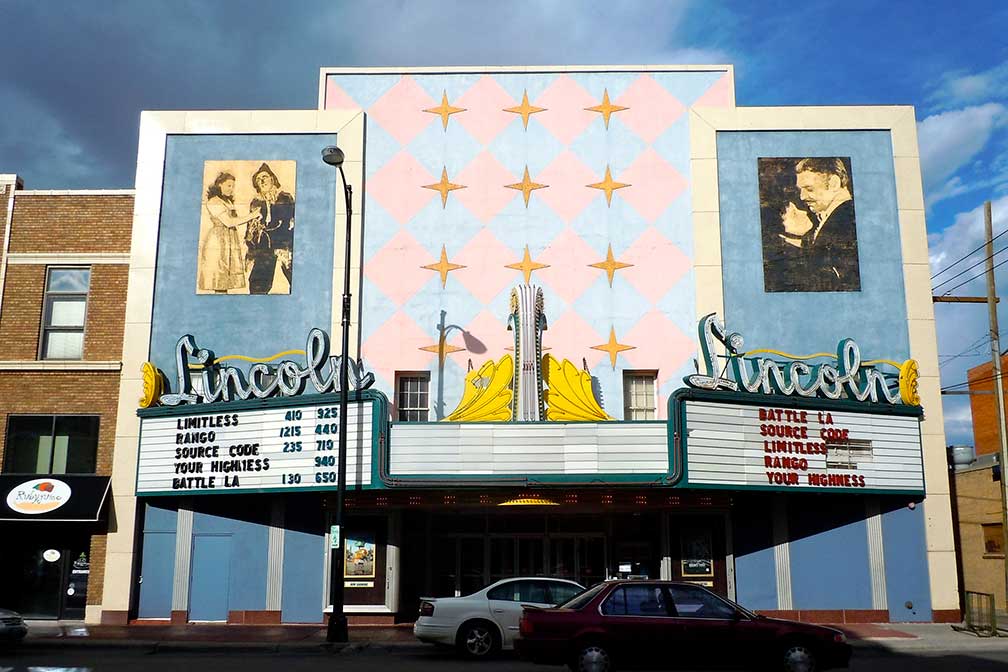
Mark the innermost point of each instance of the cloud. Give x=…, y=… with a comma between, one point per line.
x=183, y=54
x=960, y=327
x=961, y=88
x=950, y=140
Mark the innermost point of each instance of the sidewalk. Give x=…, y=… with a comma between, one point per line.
x=880, y=637
x=209, y=636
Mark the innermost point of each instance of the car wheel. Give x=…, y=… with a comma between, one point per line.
x=799, y=657
x=478, y=639
x=592, y=658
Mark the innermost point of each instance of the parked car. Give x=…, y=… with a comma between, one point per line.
x=485, y=622
x=667, y=624
x=12, y=626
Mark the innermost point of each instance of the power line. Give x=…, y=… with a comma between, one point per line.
x=964, y=257
x=943, y=282
x=969, y=280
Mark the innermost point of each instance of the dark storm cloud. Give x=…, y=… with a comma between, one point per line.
x=80, y=73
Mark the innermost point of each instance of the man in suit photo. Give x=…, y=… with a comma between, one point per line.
x=815, y=247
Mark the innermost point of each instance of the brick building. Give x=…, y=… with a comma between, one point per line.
x=978, y=498
x=63, y=275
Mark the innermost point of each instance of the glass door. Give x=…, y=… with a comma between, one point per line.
x=41, y=579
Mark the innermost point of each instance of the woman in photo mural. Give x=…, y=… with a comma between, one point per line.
x=269, y=239
x=222, y=264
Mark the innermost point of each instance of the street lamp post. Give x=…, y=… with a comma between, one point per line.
x=337, y=630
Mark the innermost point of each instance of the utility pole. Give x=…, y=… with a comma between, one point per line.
x=998, y=388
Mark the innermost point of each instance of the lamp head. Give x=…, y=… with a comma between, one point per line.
x=333, y=155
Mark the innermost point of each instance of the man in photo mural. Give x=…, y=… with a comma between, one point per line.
x=808, y=225
x=827, y=241
x=270, y=238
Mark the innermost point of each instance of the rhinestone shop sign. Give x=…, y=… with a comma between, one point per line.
x=270, y=445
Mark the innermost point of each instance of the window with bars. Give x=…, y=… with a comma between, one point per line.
x=412, y=396
x=63, y=312
x=639, y=395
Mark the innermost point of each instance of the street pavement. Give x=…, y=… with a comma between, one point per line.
x=877, y=648
x=410, y=658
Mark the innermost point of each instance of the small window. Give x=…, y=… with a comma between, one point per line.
x=46, y=444
x=993, y=535
x=63, y=312
x=639, y=401
x=563, y=592
x=412, y=396
x=636, y=600
x=507, y=592
x=693, y=602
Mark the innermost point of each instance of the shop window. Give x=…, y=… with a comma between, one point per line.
x=63, y=312
x=47, y=444
x=412, y=397
x=993, y=535
x=639, y=401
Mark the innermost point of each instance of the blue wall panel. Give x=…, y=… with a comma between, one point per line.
x=260, y=325
x=246, y=523
x=798, y=322
x=906, y=566
x=157, y=562
x=755, y=570
x=304, y=562
x=829, y=553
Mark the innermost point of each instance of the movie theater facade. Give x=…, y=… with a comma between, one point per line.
x=604, y=323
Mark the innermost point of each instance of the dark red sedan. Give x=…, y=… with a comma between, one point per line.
x=665, y=624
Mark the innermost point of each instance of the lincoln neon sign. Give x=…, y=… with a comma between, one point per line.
x=846, y=376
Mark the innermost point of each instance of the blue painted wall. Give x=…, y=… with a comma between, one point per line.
x=906, y=566
x=212, y=566
x=829, y=553
x=755, y=570
x=304, y=561
x=245, y=521
x=158, y=560
x=803, y=322
x=259, y=325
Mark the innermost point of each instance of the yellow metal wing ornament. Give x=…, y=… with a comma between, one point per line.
x=486, y=394
x=153, y=385
x=570, y=396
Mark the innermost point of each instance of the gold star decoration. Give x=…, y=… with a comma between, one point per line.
x=610, y=265
x=526, y=186
x=441, y=349
x=526, y=265
x=606, y=108
x=608, y=185
x=525, y=110
x=443, y=267
x=444, y=186
x=444, y=110
x=613, y=347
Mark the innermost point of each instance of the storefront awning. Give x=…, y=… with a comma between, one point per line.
x=56, y=498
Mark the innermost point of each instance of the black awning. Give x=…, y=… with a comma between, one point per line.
x=53, y=498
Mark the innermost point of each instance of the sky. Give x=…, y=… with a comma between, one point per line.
x=76, y=76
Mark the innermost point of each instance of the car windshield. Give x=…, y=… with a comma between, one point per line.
x=582, y=598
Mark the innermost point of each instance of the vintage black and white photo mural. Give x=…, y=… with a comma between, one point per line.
x=246, y=243
x=808, y=225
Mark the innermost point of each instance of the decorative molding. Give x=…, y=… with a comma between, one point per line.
x=876, y=553
x=59, y=365
x=782, y=554
x=68, y=258
x=183, y=558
